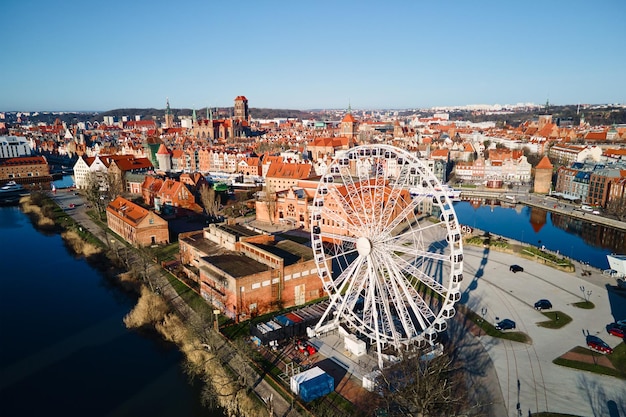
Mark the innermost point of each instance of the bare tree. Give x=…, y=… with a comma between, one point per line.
x=144, y=263
x=617, y=207
x=209, y=200
x=269, y=199
x=114, y=185
x=94, y=190
x=424, y=388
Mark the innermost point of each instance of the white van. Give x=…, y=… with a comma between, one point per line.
x=586, y=208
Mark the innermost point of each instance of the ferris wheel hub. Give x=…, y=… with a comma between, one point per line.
x=363, y=246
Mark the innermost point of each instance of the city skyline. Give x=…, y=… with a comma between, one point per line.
x=100, y=56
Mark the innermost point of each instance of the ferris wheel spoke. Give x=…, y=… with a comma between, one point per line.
x=345, y=201
x=420, y=309
x=400, y=298
x=422, y=277
x=401, y=216
x=340, y=220
x=359, y=199
x=414, y=252
x=386, y=316
x=399, y=193
x=349, y=276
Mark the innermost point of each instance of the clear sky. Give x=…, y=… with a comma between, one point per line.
x=101, y=55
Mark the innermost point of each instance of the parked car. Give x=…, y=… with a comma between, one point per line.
x=616, y=329
x=543, y=304
x=516, y=268
x=597, y=344
x=505, y=324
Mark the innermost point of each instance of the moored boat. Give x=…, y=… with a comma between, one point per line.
x=11, y=192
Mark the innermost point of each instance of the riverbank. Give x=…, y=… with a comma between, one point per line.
x=228, y=379
x=502, y=244
x=544, y=202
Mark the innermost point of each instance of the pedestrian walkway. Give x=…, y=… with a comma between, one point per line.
x=263, y=390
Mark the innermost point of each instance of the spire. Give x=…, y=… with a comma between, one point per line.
x=193, y=116
x=210, y=115
x=349, y=107
x=167, y=106
x=207, y=112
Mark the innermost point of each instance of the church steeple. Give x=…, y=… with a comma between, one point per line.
x=169, y=118
x=194, y=118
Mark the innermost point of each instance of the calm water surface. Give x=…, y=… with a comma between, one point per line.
x=64, y=349
x=583, y=241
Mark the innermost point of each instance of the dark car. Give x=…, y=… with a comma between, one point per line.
x=516, y=268
x=543, y=305
x=505, y=324
x=595, y=343
x=616, y=329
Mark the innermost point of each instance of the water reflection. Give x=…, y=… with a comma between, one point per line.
x=573, y=237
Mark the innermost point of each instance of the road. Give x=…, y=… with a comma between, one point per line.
x=528, y=378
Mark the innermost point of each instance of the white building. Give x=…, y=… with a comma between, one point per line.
x=14, y=147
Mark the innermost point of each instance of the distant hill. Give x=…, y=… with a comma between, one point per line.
x=218, y=113
x=596, y=115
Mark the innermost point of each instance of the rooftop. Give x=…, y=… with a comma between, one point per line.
x=236, y=266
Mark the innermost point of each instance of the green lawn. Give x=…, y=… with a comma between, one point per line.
x=490, y=330
x=617, y=358
x=557, y=320
x=587, y=305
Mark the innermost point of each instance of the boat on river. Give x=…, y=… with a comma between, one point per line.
x=11, y=192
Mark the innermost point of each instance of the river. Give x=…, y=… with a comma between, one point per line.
x=577, y=239
x=64, y=349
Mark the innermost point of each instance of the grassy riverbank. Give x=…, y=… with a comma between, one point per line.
x=209, y=357
x=526, y=251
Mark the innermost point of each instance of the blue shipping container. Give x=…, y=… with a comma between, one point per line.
x=317, y=387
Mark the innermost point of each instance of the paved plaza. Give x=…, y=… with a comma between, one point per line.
x=528, y=378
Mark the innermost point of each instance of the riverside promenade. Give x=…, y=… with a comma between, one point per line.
x=263, y=390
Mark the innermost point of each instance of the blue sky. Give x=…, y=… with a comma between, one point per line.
x=101, y=55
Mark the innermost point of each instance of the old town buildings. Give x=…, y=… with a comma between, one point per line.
x=136, y=225
x=162, y=162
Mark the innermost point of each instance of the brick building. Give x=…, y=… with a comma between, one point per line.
x=135, y=224
x=28, y=170
x=244, y=273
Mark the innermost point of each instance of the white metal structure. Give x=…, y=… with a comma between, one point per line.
x=388, y=248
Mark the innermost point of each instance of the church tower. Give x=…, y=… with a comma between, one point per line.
x=242, y=113
x=348, y=126
x=169, y=117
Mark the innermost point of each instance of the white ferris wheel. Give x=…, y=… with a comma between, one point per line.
x=388, y=248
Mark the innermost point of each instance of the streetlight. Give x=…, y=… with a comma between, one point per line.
x=483, y=311
x=582, y=289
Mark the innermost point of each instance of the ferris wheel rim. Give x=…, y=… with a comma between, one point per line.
x=384, y=257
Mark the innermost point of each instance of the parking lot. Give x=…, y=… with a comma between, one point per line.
x=527, y=376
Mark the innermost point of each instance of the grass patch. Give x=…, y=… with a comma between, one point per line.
x=590, y=367
x=617, y=358
x=167, y=252
x=587, y=305
x=557, y=320
x=490, y=330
